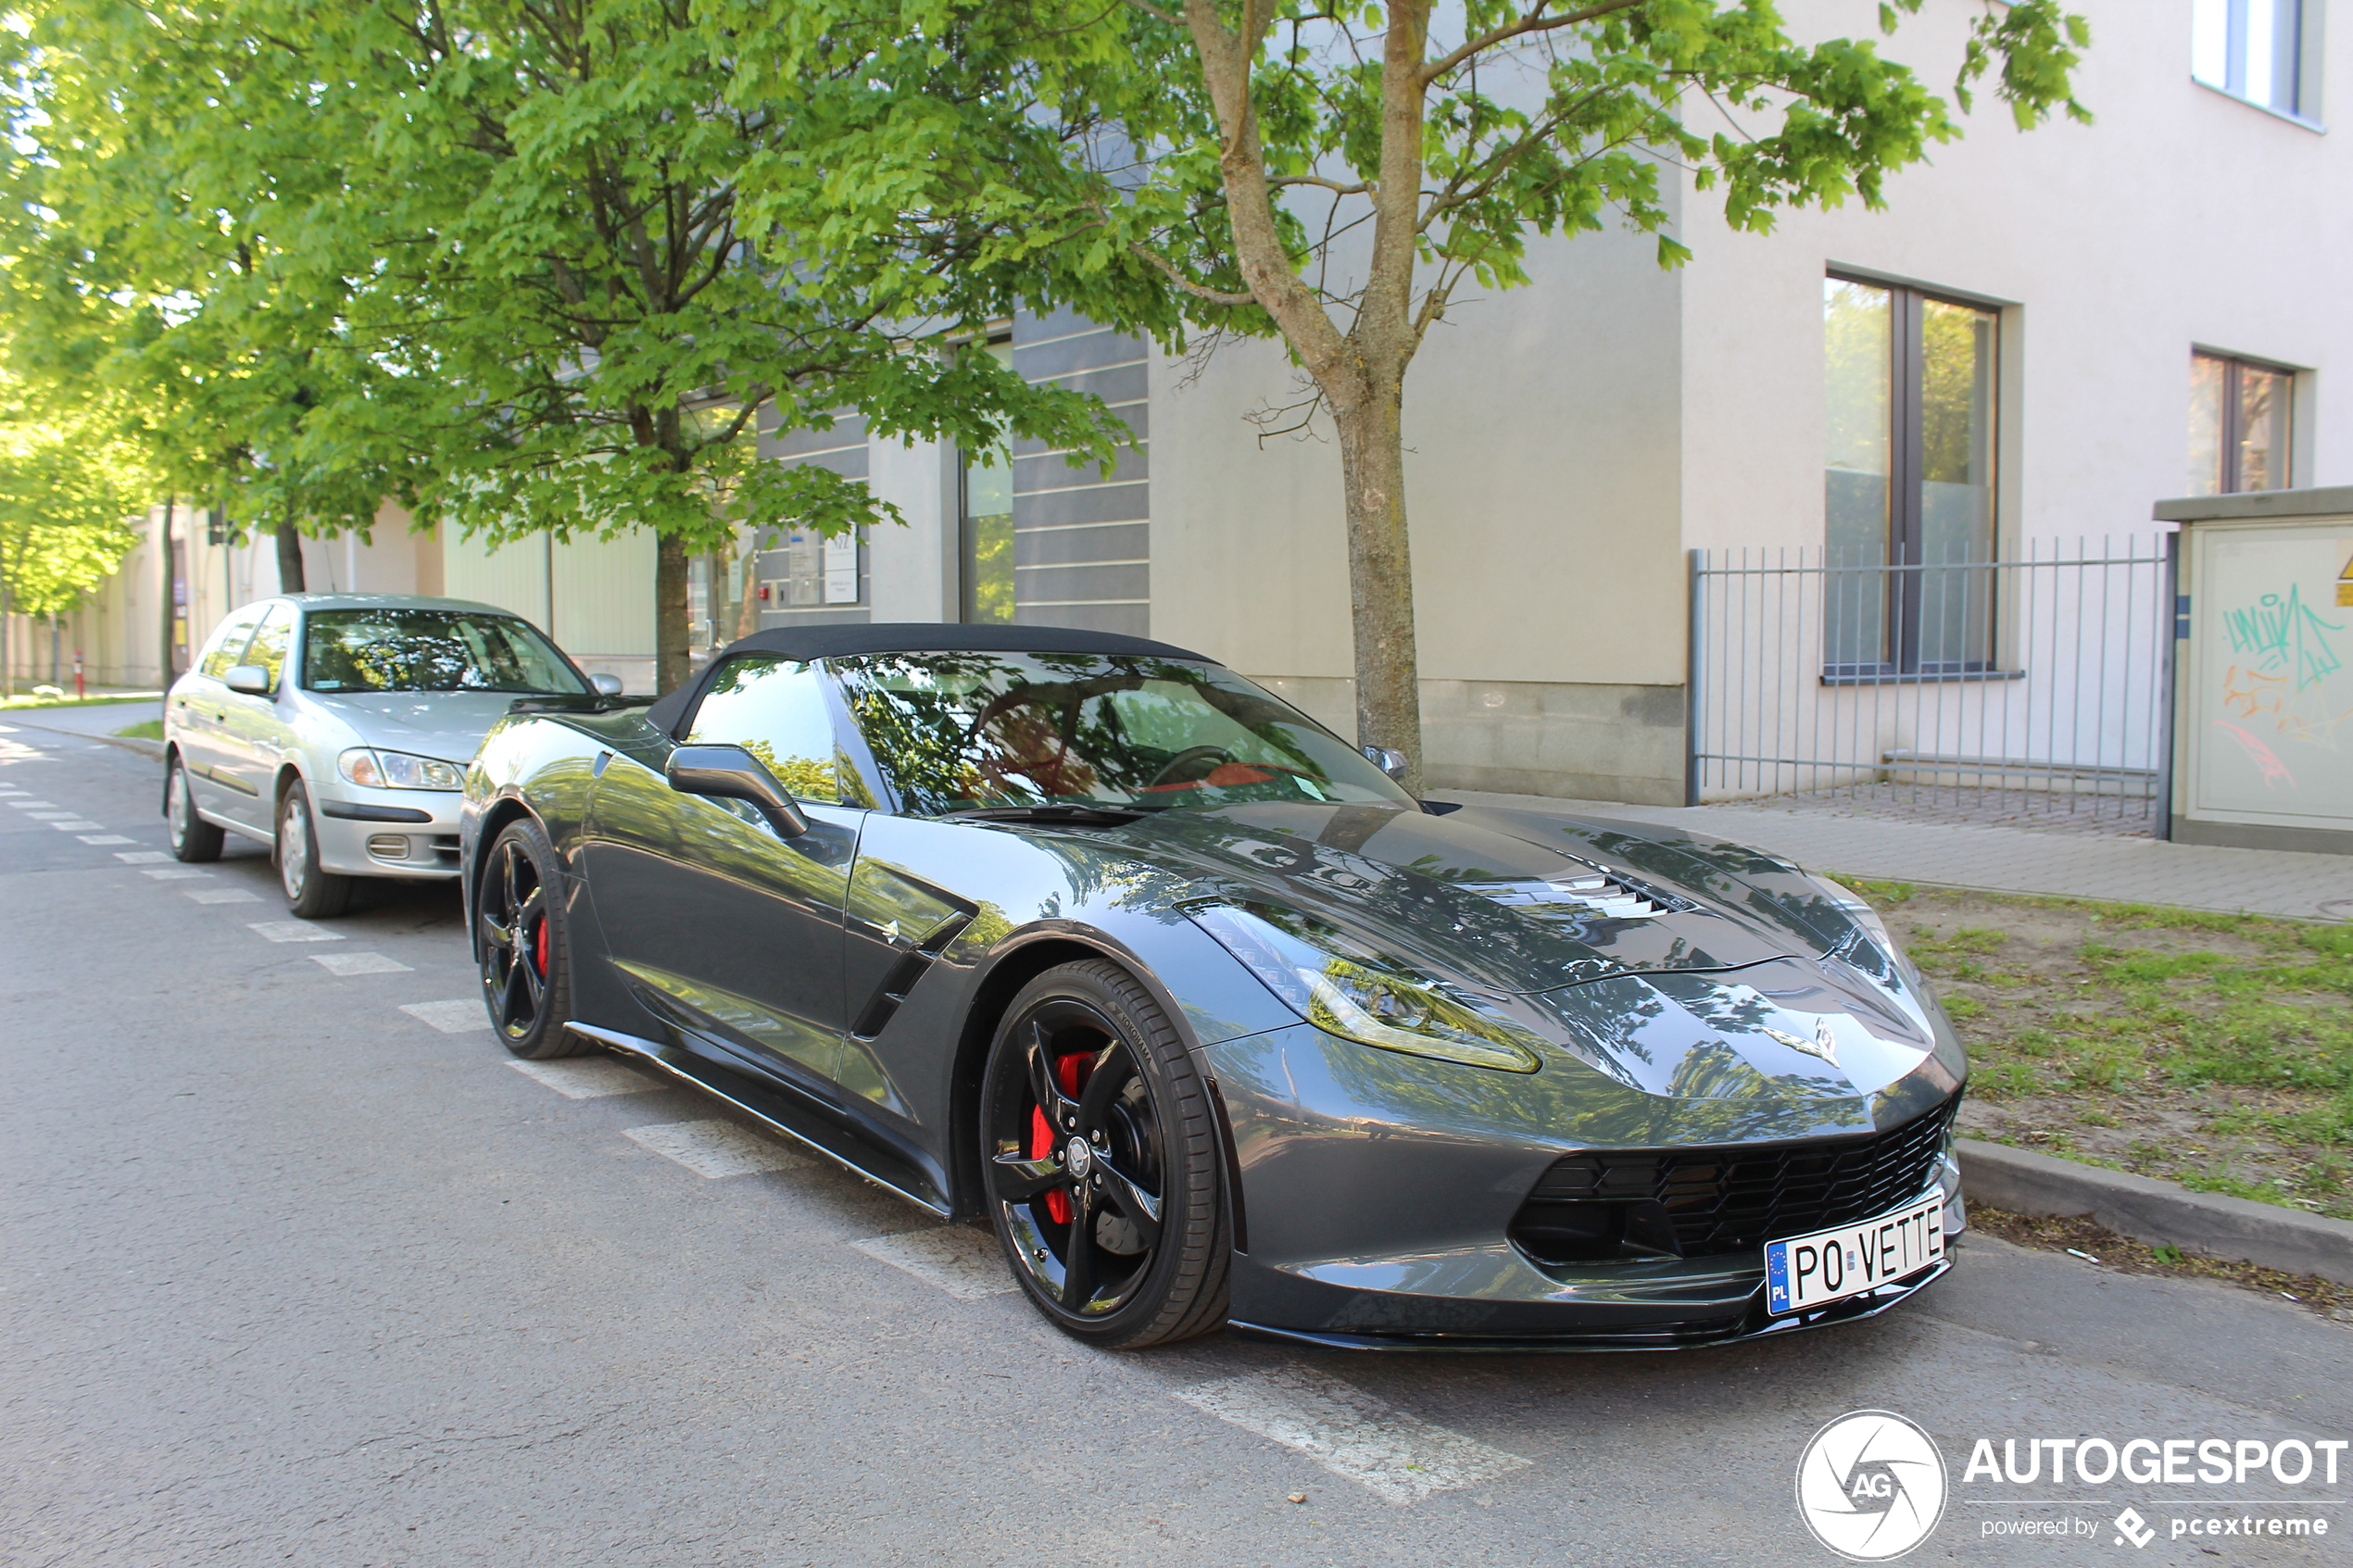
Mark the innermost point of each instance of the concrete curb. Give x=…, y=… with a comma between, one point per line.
x=2154, y=1211
x=151, y=748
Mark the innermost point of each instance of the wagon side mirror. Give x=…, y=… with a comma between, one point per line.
x=607, y=685
x=251, y=680
x=1389, y=760
x=729, y=773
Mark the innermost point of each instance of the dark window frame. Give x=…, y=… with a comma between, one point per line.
x=1906, y=461
x=2232, y=477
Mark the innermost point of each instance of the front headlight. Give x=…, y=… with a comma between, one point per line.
x=397, y=769
x=1345, y=988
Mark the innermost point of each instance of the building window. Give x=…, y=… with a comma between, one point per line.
x=1909, y=492
x=988, y=524
x=2239, y=422
x=2252, y=49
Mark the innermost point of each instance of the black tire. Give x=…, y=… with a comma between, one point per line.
x=1079, y=1231
x=524, y=937
x=193, y=839
x=311, y=893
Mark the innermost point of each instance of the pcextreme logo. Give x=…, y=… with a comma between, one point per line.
x=1870, y=1486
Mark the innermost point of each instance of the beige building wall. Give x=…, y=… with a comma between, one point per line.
x=2184, y=218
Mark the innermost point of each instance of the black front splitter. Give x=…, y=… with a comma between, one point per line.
x=1754, y=1325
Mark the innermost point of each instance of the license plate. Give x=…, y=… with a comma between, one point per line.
x=1813, y=1271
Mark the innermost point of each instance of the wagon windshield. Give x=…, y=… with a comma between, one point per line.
x=429, y=650
x=971, y=730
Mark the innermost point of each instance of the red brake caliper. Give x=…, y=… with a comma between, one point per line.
x=1042, y=1131
x=539, y=949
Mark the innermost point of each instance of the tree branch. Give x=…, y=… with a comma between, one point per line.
x=1215, y=296
x=1534, y=21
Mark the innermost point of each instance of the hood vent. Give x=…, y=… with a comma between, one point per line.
x=1586, y=896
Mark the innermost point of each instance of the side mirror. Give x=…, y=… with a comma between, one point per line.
x=605, y=685
x=1387, y=758
x=250, y=679
x=729, y=773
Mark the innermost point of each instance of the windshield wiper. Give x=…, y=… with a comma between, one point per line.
x=1050, y=811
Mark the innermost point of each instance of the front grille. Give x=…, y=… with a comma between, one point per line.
x=1734, y=1199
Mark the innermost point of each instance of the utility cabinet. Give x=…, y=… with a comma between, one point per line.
x=2263, y=669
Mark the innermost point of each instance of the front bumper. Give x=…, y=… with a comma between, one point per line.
x=1375, y=1195
x=409, y=833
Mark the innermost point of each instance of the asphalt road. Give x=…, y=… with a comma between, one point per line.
x=294, y=1276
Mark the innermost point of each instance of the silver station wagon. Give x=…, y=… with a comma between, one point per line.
x=337, y=728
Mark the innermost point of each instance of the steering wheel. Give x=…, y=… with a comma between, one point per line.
x=1191, y=755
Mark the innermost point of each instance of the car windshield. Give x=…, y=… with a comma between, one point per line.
x=429, y=650
x=972, y=731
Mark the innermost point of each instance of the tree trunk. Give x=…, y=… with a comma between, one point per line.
x=673, y=665
x=7, y=640
x=290, y=575
x=164, y=672
x=1380, y=575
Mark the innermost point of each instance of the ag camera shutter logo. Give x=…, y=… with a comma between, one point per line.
x=1870, y=1486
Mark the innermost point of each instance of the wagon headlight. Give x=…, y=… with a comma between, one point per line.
x=1345, y=988
x=397, y=769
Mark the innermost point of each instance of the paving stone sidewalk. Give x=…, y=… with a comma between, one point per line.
x=2000, y=859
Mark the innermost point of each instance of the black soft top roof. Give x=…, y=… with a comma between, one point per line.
x=809, y=642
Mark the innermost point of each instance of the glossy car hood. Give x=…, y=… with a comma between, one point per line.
x=444, y=725
x=1488, y=907
x=1718, y=985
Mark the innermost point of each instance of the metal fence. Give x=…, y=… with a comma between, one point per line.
x=2034, y=684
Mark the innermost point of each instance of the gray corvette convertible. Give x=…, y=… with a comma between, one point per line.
x=1211, y=1021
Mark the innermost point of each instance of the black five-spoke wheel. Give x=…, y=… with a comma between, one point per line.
x=519, y=935
x=1102, y=1163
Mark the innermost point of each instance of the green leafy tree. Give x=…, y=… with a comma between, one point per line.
x=615, y=248
x=156, y=263
x=546, y=267
x=66, y=490
x=1337, y=174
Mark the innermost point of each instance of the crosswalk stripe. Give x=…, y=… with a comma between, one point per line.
x=1350, y=1433
x=715, y=1149
x=593, y=1077
x=965, y=1263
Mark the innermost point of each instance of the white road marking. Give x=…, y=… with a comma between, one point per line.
x=592, y=1077
x=139, y=857
x=455, y=1017
x=51, y=816
x=292, y=931
x=358, y=963
x=34, y=805
x=174, y=873
x=222, y=895
x=77, y=825
x=108, y=838
x=714, y=1149
x=966, y=1263
x=1350, y=1433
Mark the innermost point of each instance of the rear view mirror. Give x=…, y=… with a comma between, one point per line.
x=729, y=773
x=1387, y=758
x=607, y=685
x=250, y=679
